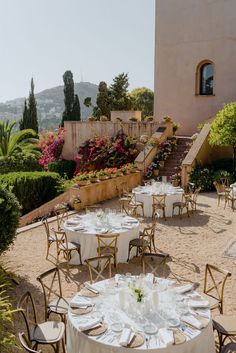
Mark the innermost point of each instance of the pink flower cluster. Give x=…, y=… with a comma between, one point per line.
x=51, y=144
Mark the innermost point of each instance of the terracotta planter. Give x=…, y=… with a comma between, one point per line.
x=162, y=163
x=156, y=172
x=103, y=178
x=113, y=175
x=175, y=182
x=93, y=180
x=82, y=182
x=76, y=206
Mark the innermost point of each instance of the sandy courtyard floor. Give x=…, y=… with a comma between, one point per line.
x=192, y=242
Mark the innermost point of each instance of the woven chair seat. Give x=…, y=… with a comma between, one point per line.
x=225, y=324
x=139, y=242
x=229, y=348
x=59, y=305
x=48, y=332
x=70, y=246
x=108, y=251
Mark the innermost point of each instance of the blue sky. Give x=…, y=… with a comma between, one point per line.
x=97, y=39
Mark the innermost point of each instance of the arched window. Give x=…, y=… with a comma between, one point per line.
x=205, y=77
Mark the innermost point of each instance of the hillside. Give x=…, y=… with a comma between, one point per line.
x=50, y=104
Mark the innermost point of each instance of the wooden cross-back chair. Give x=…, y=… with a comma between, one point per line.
x=107, y=245
x=97, y=265
x=26, y=344
x=66, y=247
x=51, y=239
x=45, y=333
x=54, y=301
x=158, y=203
x=220, y=190
x=192, y=200
x=181, y=205
x=230, y=197
x=144, y=242
x=124, y=195
x=214, y=287
x=133, y=206
x=61, y=215
x=154, y=262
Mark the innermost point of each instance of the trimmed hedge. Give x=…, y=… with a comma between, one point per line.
x=9, y=219
x=63, y=167
x=19, y=163
x=32, y=189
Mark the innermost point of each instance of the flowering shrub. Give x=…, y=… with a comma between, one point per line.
x=51, y=144
x=165, y=149
x=102, y=152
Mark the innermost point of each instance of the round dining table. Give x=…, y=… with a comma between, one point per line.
x=145, y=194
x=167, y=319
x=83, y=228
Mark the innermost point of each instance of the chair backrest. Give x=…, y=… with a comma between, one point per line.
x=26, y=308
x=196, y=193
x=159, y=200
x=46, y=227
x=214, y=282
x=152, y=263
x=61, y=239
x=106, y=242
x=26, y=344
x=149, y=232
x=132, y=200
x=51, y=285
x=225, y=181
x=219, y=187
x=97, y=266
x=61, y=214
x=122, y=189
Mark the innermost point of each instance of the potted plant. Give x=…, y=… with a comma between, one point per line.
x=102, y=175
x=76, y=204
x=93, y=177
x=175, y=180
x=133, y=119
x=103, y=118
x=82, y=179
x=124, y=169
x=133, y=167
x=148, y=118
x=156, y=168
x=113, y=172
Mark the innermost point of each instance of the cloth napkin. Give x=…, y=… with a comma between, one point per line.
x=72, y=222
x=90, y=324
x=91, y=287
x=166, y=336
x=79, y=227
x=193, y=321
x=198, y=303
x=184, y=289
x=126, y=337
x=80, y=302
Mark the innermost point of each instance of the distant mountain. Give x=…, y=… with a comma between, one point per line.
x=50, y=104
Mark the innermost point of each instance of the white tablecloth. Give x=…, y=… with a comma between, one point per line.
x=107, y=304
x=145, y=193
x=94, y=223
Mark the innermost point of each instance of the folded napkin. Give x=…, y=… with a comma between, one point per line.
x=78, y=228
x=198, y=303
x=91, y=287
x=166, y=336
x=184, y=289
x=90, y=324
x=72, y=222
x=126, y=337
x=202, y=312
x=193, y=321
x=80, y=302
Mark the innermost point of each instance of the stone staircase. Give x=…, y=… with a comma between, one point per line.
x=176, y=157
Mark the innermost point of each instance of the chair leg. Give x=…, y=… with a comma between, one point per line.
x=80, y=260
x=164, y=214
x=130, y=247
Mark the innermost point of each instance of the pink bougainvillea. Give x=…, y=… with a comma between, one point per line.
x=101, y=152
x=51, y=144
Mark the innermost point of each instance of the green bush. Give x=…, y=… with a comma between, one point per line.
x=19, y=163
x=9, y=218
x=222, y=174
x=32, y=189
x=63, y=167
x=203, y=177
x=7, y=339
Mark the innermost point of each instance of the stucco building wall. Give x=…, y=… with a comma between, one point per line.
x=188, y=32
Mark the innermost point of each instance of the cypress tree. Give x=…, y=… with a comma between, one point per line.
x=118, y=91
x=103, y=102
x=76, y=115
x=24, y=121
x=69, y=96
x=32, y=110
